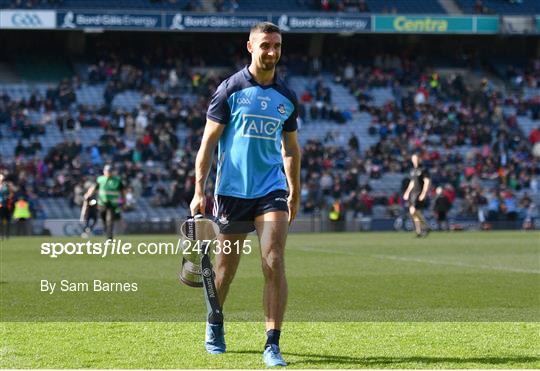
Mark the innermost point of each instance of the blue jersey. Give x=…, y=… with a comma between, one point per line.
x=249, y=151
x=4, y=196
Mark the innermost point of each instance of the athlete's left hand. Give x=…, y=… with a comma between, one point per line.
x=293, y=201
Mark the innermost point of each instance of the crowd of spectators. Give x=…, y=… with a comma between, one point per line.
x=189, y=5
x=529, y=76
x=29, y=4
x=481, y=8
x=142, y=144
x=437, y=117
x=316, y=103
x=352, y=6
x=357, y=6
x=431, y=114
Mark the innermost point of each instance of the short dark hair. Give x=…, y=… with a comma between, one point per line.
x=266, y=27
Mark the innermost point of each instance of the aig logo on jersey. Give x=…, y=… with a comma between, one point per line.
x=262, y=127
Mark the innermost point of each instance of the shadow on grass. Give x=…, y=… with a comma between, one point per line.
x=307, y=358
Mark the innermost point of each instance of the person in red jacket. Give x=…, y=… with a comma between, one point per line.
x=534, y=136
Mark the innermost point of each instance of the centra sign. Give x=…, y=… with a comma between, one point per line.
x=424, y=24
x=420, y=25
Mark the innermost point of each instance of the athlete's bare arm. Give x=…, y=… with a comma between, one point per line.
x=425, y=189
x=90, y=191
x=203, y=163
x=291, y=161
x=408, y=191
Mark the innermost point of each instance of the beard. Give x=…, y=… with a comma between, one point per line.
x=269, y=65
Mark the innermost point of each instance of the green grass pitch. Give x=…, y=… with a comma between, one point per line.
x=356, y=300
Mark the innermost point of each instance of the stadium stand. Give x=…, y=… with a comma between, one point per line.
x=522, y=7
x=376, y=6
x=352, y=6
x=509, y=7
x=361, y=117
x=405, y=6
x=100, y=4
x=327, y=139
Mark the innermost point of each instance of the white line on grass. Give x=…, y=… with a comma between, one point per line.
x=456, y=264
x=421, y=260
x=315, y=249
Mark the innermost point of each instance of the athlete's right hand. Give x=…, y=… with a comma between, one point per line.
x=198, y=204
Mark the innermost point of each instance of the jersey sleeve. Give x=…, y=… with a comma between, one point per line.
x=290, y=124
x=219, y=110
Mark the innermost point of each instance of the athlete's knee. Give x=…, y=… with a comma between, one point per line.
x=273, y=264
x=223, y=275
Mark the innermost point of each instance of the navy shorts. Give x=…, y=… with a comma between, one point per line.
x=237, y=215
x=5, y=213
x=414, y=201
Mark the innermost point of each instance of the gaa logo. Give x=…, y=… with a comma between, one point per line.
x=26, y=20
x=207, y=272
x=258, y=126
x=243, y=100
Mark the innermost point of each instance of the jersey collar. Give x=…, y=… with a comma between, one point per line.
x=249, y=77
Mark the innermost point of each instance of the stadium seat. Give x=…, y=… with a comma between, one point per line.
x=526, y=7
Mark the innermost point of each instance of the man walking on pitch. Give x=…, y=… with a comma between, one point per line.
x=110, y=193
x=416, y=194
x=252, y=116
x=6, y=206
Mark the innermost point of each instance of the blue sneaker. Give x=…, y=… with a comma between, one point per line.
x=272, y=357
x=214, y=341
